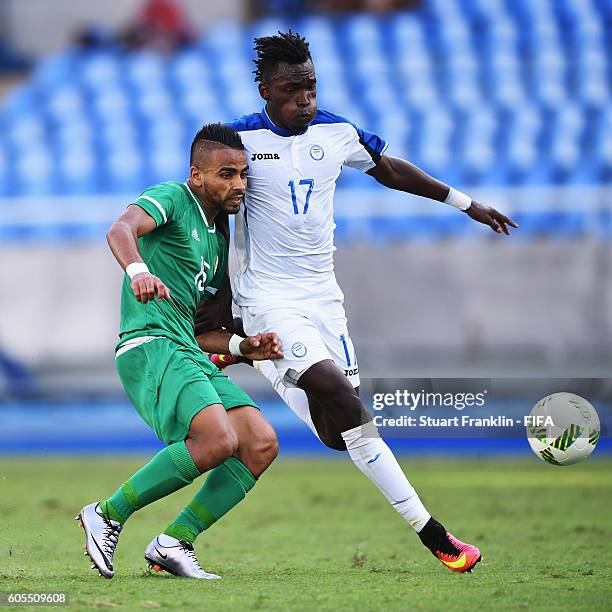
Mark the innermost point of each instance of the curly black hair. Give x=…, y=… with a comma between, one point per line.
x=286, y=47
x=215, y=133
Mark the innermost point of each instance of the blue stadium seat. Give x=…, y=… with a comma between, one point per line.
x=169, y=163
x=268, y=26
x=224, y=39
x=35, y=171
x=72, y=130
x=64, y=102
x=319, y=31
x=115, y=132
x=77, y=169
x=603, y=146
x=56, y=70
x=27, y=130
x=333, y=95
x=243, y=100
x=123, y=169
x=190, y=69
x=5, y=185
x=144, y=70
x=101, y=70
x=362, y=32
x=166, y=129
x=199, y=104
x=111, y=102
x=435, y=148
x=20, y=101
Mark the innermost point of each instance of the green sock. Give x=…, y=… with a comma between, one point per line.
x=170, y=470
x=225, y=486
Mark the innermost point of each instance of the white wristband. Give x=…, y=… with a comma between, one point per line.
x=458, y=199
x=138, y=267
x=234, y=346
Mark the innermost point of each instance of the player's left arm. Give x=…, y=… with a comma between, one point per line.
x=400, y=174
x=260, y=347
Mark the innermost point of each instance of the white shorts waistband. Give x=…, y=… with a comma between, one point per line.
x=134, y=342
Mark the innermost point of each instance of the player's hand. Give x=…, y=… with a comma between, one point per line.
x=262, y=346
x=146, y=286
x=489, y=216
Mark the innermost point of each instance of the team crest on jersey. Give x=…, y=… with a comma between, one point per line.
x=195, y=235
x=316, y=152
x=260, y=156
x=299, y=349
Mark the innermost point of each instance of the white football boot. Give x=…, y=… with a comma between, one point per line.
x=101, y=536
x=177, y=557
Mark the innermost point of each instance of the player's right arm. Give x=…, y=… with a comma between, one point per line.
x=123, y=241
x=366, y=151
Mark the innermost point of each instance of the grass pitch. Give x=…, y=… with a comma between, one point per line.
x=315, y=535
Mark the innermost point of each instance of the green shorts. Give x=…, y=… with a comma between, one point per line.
x=169, y=384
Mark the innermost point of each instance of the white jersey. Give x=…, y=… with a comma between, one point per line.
x=284, y=236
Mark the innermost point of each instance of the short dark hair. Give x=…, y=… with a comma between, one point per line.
x=286, y=47
x=212, y=136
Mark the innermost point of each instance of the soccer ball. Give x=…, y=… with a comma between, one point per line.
x=563, y=428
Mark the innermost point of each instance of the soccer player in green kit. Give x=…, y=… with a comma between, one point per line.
x=174, y=257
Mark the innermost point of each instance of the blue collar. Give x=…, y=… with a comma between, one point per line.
x=279, y=131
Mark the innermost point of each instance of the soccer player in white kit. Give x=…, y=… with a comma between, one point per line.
x=285, y=282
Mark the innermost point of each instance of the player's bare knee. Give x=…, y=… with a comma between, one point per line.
x=221, y=449
x=258, y=451
x=268, y=447
x=262, y=451
x=340, y=410
x=226, y=444
x=208, y=452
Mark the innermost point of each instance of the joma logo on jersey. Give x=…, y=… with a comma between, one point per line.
x=260, y=156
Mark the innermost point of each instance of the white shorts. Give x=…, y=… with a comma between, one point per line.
x=310, y=331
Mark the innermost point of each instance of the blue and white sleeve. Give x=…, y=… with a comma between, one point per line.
x=364, y=150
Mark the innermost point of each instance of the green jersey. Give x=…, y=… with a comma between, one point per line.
x=186, y=253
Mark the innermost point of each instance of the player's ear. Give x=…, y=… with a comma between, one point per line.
x=264, y=91
x=195, y=176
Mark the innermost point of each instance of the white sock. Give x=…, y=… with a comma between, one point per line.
x=375, y=459
x=292, y=396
